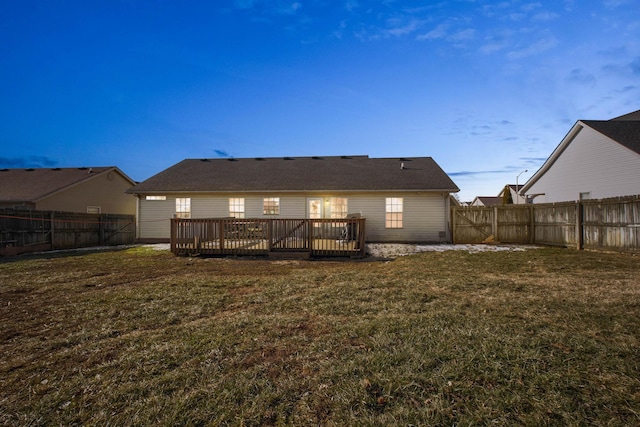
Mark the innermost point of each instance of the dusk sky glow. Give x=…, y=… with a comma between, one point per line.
x=486, y=88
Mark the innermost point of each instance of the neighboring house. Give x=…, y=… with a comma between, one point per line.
x=487, y=201
x=403, y=200
x=87, y=190
x=597, y=159
x=515, y=197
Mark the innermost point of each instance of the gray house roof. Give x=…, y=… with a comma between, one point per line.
x=33, y=184
x=289, y=174
x=625, y=132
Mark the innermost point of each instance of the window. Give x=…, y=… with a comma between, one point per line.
x=156, y=198
x=393, y=212
x=183, y=208
x=315, y=208
x=94, y=209
x=236, y=207
x=585, y=196
x=338, y=207
x=271, y=206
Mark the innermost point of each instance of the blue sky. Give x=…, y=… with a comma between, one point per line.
x=486, y=88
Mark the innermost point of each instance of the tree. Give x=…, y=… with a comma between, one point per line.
x=506, y=196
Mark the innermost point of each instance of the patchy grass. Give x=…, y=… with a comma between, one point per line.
x=139, y=337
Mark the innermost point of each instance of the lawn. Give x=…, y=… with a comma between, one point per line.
x=140, y=337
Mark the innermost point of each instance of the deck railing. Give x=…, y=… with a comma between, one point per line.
x=260, y=236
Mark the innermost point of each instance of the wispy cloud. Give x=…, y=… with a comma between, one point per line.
x=439, y=32
x=545, y=16
x=506, y=170
x=530, y=6
x=463, y=35
x=351, y=5
x=27, y=162
x=281, y=7
x=545, y=43
x=580, y=76
x=221, y=153
x=635, y=66
x=245, y=4
x=399, y=27
x=617, y=3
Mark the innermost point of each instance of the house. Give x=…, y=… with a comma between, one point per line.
x=487, y=201
x=85, y=189
x=516, y=198
x=402, y=199
x=597, y=159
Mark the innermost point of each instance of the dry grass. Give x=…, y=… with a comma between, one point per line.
x=139, y=337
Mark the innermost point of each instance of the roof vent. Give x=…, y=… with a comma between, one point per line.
x=231, y=159
x=288, y=158
x=4, y=170
x=402, y=165
x=317, y=158
x=56, y=169
x=82, y=169
x=204, y=160
x=261, y=159
x=345, y=157
x=30, y=170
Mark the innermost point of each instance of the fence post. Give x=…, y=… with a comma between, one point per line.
x=51, y=221
x=101, y=222
x=453, y=224
x=532, y=225
x=579, y=225
x=494, y=224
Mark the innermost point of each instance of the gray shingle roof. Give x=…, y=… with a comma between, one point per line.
x=335, y=173
x=29, y=185
x=625, y=132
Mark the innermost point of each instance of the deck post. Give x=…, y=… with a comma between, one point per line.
x=221, y=234
x=310, y=236
x=173, y=236
x=362, y=235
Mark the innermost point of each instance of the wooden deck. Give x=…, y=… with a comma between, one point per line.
x=233, y=236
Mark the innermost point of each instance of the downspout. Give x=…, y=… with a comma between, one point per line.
x=447, y=216
x=137, y=217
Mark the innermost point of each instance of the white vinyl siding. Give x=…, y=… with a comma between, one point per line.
x=155, y=218
x=591, y=163
x=425, y=215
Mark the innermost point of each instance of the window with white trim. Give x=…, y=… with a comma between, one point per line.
x=183, y=207
x=271, y=206
x=156, y=198
x=236, y=207
x=339, y=207
x=94, y=209
x=393, y=212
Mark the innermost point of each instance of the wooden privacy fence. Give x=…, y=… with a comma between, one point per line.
x=586, y=224
x=31, y=231
x=234, y=236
